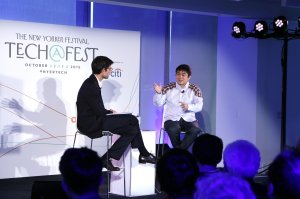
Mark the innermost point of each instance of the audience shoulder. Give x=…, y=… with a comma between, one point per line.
x=223, y=185
x=284, y=175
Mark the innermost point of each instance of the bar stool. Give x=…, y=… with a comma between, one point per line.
x=108, y=135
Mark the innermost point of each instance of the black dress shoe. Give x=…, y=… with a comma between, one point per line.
x=147, y=159
x=109, y=166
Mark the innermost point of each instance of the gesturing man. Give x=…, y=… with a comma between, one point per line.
x=181, y=101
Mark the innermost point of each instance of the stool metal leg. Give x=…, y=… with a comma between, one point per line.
x=107, y=158
x=158, y=146
x=163, y=146
x=108, y=143
x=75, y=139
x=124, y=173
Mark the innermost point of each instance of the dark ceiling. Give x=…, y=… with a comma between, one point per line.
x=257, y=9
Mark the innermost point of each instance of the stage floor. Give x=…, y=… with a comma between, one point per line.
x=20, y=188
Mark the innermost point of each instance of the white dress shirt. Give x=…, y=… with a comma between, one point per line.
x=171, y=96
x=99, y=82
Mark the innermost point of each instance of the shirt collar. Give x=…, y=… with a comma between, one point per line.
x=184, y=88
x=99, y=82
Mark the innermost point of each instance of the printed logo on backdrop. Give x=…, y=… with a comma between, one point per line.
x=116, y=73
x=50, y=54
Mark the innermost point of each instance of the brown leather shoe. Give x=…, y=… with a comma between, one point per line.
x=147, y=159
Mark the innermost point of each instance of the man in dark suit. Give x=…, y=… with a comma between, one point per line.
x=93, y=118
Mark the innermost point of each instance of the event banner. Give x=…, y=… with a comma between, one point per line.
x=42, y=68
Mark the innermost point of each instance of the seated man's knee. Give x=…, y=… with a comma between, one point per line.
x=132, y=131
x=173, y=129
x=133, y=120
x=196, y=131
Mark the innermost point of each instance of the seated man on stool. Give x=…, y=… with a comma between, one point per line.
x=93, y=118
x=181, y=101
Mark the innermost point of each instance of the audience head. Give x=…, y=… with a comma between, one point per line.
x=284, y=175
x=223, y=186
x=208, y=149
x=242, y=158
x=81, y=169
x=177, y=173
x=99, y=63
x=184, y=67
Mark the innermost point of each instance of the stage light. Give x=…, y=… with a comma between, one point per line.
x=298, y=22
x=280, y=25
x=238, y=29
x=261, y=29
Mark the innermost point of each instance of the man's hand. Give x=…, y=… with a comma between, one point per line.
x=157, y=88
x=184, y=106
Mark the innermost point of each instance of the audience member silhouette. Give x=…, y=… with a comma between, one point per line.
x=207, y=150
x=177, y=173
x=81, y=169
x=284, y=175
x=242, y=158
x=223, y=185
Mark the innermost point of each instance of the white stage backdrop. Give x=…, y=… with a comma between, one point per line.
x=42, y=67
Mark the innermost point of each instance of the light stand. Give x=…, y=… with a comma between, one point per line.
x=283, y=96
x=279, y=32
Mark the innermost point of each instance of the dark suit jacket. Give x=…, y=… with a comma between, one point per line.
x=90, y=107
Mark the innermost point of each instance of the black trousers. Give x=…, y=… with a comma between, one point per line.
x=174, y=128
x=127, y=126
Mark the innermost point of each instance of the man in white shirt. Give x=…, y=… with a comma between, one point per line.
x=181, y=101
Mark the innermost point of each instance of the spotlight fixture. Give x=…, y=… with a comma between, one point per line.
x=261, y=29
x=280, y=25
x=238, y=29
